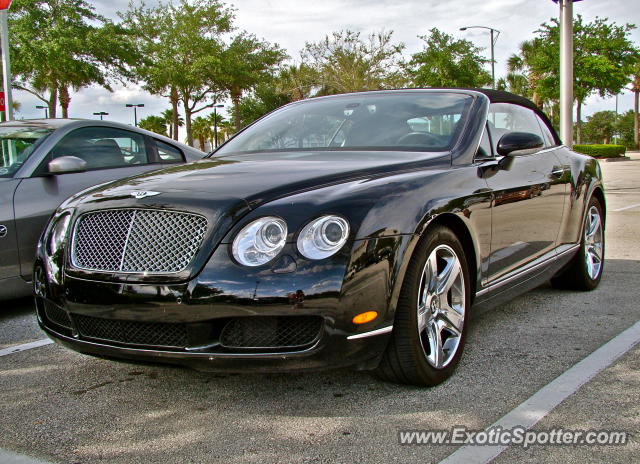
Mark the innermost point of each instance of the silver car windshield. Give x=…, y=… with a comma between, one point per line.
x=18, y=143
x=413, y=121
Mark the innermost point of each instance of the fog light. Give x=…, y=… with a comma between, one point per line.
x=363, y=318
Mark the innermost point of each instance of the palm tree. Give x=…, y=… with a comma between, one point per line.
x=154, y=124
x=167, y=115
x=201, y=129
x=216, y=121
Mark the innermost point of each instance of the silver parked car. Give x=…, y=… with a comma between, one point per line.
x=44, y=161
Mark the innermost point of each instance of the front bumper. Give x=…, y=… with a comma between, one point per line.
x=331, y=293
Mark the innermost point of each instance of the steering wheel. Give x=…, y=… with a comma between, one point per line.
x=418, y=139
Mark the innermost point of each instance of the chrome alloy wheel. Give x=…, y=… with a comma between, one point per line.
x=593, y=238
x=441, y=306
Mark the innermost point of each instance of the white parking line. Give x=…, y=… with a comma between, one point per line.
x=528, y=413
x=626, y=208
x=25, y=346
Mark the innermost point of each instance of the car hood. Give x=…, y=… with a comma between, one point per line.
x=259, y=178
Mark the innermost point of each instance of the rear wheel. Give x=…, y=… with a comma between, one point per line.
x=429, y=328
x=585, y=270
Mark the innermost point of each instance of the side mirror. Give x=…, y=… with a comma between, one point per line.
x=519, y=143
x=67, y=164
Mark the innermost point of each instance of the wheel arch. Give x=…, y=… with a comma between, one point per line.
x=461, y=230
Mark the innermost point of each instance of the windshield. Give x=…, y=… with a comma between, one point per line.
x=428, y=121
x=17, y=145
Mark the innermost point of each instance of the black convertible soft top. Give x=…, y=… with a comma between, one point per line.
x=500, y=96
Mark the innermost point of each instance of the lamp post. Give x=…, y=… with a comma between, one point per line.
x=135, y=111
x=494, y=37
x=101, y=113
x=6, y=62
x=215, y=124
x=46, y=110
x=566, y=70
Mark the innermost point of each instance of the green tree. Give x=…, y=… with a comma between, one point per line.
x=265, y=98
x=183, y=43
x=246, y=62
x=173, y=122
x=625, y=128
x=154, y=124
x=58, y=45
x=447, y=62
x=603, y=57
x=346, y=62
x=600, y=127
x=216, y=122
x=202, y=130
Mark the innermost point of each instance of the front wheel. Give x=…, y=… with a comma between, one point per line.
x=585, y=270
x=429, y=328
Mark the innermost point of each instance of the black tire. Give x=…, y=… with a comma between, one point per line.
x=405, y=359
x=576, y=276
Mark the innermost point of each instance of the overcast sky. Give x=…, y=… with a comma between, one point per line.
x=290, y=23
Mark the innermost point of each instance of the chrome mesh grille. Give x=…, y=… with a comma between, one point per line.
x=137, y=240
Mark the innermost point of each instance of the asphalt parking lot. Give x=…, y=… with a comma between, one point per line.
x=60, y=406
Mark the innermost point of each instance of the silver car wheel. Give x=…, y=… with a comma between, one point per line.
x=441, y=306
x=593, y=235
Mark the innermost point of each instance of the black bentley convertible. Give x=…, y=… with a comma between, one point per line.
x=353, y=230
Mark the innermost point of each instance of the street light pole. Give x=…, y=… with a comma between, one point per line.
x=566, y=72
x=101, y=113
x=215, y=124
x=135, y=111
x=46, y=110
x=494, y=37
x=6, y=61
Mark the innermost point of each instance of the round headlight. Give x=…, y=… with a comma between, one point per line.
x=323, y=237
x=260, y=241
x=58, y=234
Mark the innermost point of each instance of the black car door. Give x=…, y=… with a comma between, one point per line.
x=110, y=154
x=528, y=197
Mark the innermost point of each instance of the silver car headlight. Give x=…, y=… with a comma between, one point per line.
x=260, y=241
x=323, y=237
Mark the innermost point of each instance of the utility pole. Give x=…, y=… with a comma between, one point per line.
x=6, y=60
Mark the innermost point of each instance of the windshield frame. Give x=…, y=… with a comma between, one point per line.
x=34, y=146
x=455, y=140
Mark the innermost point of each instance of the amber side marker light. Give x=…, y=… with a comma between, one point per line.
x=363, y=318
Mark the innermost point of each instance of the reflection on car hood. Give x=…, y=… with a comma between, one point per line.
x=259, y=178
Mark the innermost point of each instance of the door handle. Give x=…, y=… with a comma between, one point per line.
x=557, y=172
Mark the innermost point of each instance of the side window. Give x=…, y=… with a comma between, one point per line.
x=103, y=147
x=549, y=140
x=169, y=153
x=506, y=117
x=484, y=150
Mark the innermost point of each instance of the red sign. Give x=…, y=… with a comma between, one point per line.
x=4, y=4
x=2, y=106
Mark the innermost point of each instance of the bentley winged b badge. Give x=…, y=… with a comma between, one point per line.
x=143, y=193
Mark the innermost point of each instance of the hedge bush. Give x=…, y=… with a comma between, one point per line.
x=601, y=151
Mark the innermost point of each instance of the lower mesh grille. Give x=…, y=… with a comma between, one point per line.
x=133, y=332
x=56, y=314
x=271, y=332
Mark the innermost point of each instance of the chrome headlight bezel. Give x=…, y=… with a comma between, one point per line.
x=260, y=241
x=323, y=237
